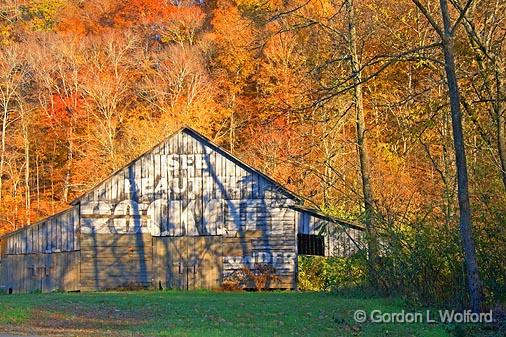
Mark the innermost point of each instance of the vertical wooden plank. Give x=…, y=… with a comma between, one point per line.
x=107, y=189
x=213, y=176
x=40, y=272
x=157, y=176
x=71, y=229
x=152, y=175
x=68, y=226
x=129, y=180
x=228, y=173
x=143, y=175
x=63, y=224
x=19, y=242
x=222, y=181
x=37, y=239
x=148, y=183
x=154, y=265
x=164, y=176
x=29, y=242
x=255, y=186
x=183, y=148
x=189, y=144
x=20, y=274
x=175, y=218
x=121, y=185
x=170, y=169
x=33, y=229
x=76, y=227
x=53, y=234
x=199, y=186
x=23, y=238
x=59, y=233
x=114, y=188
x=138, y=180
x=45, y=237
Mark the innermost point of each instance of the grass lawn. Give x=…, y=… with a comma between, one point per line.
x=173, y=313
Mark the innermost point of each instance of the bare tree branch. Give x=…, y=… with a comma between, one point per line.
x=462, y=15
x=429, y=17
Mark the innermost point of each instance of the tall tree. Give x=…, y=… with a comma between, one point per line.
x=363, y=153
x=447, y=35
x=486, y=34
x=12, y=76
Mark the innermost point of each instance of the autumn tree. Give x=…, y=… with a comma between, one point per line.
x=13, y=75
x=446, y=32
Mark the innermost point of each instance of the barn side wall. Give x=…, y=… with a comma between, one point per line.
x=115, y=261
x=340, y=240
x=185, y=187
x=43, y=257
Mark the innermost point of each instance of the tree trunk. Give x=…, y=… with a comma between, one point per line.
x=68, y=170
x=37, y=180
x=2, y=153
x=362, y=142
x=491, y=67
x=473, y=278
x=501, y=125
x=26, y=143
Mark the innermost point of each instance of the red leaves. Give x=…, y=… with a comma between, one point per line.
x=62, y=110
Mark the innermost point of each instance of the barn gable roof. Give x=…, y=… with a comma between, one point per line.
x=206, y=141
x=332, y=219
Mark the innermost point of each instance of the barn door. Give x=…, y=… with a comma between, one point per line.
x=204, y=261
x=188, y=262
x=175, y=267
x=36, y=273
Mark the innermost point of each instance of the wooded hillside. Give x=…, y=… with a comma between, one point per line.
x=344, y=102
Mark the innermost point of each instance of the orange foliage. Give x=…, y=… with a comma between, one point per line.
x=111, y=78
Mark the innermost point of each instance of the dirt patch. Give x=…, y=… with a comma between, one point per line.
x=80, y=321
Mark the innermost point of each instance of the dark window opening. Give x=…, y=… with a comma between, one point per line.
x=309, y=244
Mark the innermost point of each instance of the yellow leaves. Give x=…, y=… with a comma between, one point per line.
x=391, y=155
x=41, y=13
x=5, y=35
x=183, y=23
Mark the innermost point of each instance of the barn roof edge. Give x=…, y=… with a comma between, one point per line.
x=327, y=217
x=36, y=222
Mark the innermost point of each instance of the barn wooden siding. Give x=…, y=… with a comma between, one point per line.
x=58, y=233
x=184, y=187
x=341, y=239
x=42, y=257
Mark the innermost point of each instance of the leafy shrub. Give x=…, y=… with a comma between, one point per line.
x=318, y=273
x=259, y=277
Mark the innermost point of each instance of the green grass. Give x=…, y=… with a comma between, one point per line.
x=173, y=313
